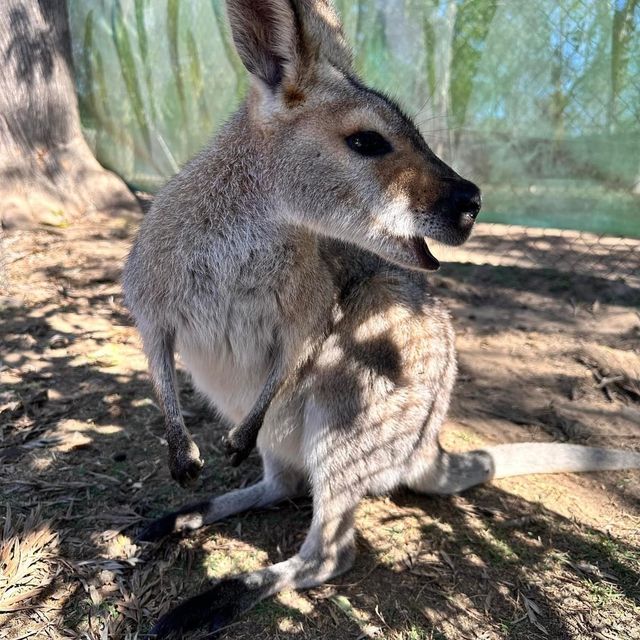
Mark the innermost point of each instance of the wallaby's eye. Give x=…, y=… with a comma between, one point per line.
x=368, y=143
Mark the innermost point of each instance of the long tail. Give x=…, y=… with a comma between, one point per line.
x=455, y=472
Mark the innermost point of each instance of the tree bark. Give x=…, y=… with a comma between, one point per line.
x=47, y=171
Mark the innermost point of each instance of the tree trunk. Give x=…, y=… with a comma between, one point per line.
x=47, y=171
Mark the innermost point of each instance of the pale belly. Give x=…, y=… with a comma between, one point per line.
x=228, y=349
x=230, y=368
x=230, y=387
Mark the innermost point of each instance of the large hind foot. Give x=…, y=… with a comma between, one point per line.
x=278, y=485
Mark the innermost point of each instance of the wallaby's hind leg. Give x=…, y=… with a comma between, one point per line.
x=278, y=484
x=365, y=409
x=327, y=551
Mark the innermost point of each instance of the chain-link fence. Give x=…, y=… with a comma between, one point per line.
x=558, y=107
x=539, y=102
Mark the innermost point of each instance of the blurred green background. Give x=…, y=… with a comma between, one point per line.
x=538, y=101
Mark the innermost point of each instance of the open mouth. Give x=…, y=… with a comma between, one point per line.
x=426, y=259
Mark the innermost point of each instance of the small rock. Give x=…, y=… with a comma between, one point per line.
x=58, y=341
x=9, y=402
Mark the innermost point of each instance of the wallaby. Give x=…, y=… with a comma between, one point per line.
x=286, y=264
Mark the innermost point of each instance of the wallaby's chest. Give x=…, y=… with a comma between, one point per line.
x=227, y=352
x=276, y=308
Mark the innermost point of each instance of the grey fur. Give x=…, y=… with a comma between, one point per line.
x=283, y=268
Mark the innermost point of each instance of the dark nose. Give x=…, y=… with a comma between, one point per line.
x=466, y=199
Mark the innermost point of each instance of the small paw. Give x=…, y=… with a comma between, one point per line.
x=185, y=464
x=235, y=450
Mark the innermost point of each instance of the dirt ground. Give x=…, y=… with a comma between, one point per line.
x=546, y=353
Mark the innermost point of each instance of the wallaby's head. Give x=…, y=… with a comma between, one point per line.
x=347, y=162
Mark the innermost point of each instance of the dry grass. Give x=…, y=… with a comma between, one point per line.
x=29, y=561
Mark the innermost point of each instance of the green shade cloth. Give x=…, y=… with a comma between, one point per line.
x=539, y=101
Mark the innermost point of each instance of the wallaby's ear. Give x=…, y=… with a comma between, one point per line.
x=267, y=36
x=323, y=32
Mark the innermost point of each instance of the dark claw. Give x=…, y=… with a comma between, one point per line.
x=237, y=457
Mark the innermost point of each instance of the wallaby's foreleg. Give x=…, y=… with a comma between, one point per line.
x=184, y=457
x=242, y=439
x=277, y=485
x=327, y=551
